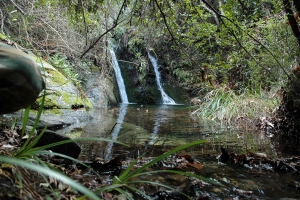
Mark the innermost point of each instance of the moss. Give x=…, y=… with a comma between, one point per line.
x=2, y=37
x=48, y=111
x=75, y=134
x=94, y=69
x=57, y=77
x=53, y=111
x=48, y=103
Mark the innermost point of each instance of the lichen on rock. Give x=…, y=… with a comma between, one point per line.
x=61, y=92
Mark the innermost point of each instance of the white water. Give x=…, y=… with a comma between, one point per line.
x=165, y=98
x=119, y=78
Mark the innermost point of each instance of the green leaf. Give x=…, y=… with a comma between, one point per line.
x=49, y=172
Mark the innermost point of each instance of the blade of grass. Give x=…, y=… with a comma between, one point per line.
x=139, y=192
x=26, y=116
x=44, y=152
x=25, y=120
x=182, y=173
x=125, y=193
x=24, y=149
x=126, y=172
x=106, y=188
x=48, y=172
x=159, y=158
x=156, y=183
x=32, y=151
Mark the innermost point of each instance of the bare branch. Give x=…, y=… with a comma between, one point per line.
x=2, y=21
x=18, y=8
x=116, y=23
x=84, y=22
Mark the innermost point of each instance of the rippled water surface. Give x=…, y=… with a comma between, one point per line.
x=158, y=128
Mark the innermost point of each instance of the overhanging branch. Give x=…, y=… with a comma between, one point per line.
x=116, y=23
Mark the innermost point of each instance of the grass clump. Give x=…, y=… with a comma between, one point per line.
x=222, y=104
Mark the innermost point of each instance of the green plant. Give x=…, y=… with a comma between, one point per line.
x=124, y=180
x=27, y=155
x=61, y=63
x=224, y=105
x=49, y=172
x=214, y=101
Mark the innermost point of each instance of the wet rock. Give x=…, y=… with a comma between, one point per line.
x=113, y=167
x=225, y=156
x=71, y=149
x=66, y=118
x=98, y=95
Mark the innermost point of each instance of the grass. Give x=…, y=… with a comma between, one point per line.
x=49, y=172
x=224, y=105
x=124, y=181
x=27, y=156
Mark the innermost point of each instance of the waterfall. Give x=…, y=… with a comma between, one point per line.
x=165, y=98
x=119, y=78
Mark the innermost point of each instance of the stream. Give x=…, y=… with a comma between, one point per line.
x=158, y=128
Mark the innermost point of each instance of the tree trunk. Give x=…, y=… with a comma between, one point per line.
x=291, y=17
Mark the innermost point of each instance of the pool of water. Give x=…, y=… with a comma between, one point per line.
x=159, y=128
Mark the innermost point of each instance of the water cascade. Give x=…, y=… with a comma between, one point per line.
x=119, y=78
x=165, y=98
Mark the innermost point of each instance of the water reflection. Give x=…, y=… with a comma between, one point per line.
x=159, y=128
x=161, y=115
x=116, y=130
x=168, y=125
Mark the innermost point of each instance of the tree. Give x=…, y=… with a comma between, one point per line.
x=292, y=13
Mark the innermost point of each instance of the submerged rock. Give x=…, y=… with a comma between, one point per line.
x=71, y=149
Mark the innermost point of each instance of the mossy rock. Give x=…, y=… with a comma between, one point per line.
x=61, y=93
x=2, y=37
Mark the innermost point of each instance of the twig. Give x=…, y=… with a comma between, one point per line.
x=66, y=44
x=268, y=50
x=171, y=33
x=18, y=8
x=107, y=31
x=84, y=22
x=2, y=21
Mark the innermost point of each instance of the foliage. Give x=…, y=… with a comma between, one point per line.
x=125, y=179
x=224, y=105
x=28, y=157
x=186, y=35
x=214, y=101
x=49, y=172
x=61, y=63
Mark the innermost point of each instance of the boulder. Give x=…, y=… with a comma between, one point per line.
x=71, y=149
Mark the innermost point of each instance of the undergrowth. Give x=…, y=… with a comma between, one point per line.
x=64, y=66
x=222, y=104
x=27, y=158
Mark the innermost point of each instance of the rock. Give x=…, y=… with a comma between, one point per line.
x=67, y=119
x=61, y=91
x=71, y=149
x=99, y=95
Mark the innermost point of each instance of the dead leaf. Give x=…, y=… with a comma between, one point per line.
x=8, y=147
x=195, y=165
